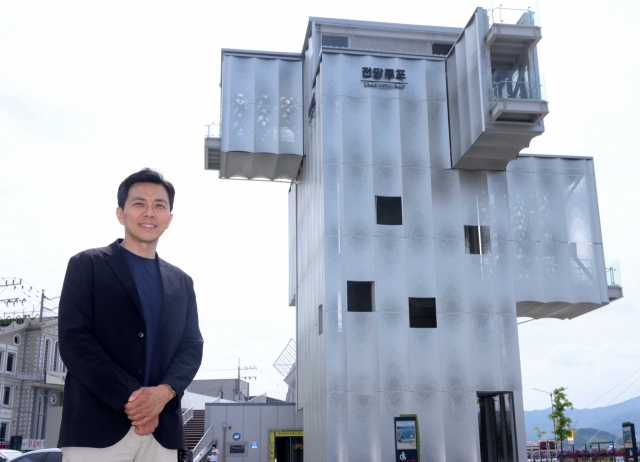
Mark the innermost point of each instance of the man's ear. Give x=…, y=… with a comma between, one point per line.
x=119, y=215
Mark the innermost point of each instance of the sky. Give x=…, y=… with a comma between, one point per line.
x=93, y=91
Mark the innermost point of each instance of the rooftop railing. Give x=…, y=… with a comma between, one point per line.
x=612, y=270
x=212, y=130
x=518, y=13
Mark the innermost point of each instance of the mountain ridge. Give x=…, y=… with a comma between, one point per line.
x=607, y=418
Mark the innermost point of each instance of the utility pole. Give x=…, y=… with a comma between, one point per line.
x=246, y=368
x=14, y=300
x=42, y=302
x=41, y=305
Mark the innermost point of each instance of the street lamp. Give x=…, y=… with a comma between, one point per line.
x=553, y=420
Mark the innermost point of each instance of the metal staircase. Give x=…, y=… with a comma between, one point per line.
x=193, y=430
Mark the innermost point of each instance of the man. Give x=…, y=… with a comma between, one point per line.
x=189, y=455
x=213, y=457
x=129, y=337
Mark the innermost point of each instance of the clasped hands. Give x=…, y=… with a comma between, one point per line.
x=144, y=407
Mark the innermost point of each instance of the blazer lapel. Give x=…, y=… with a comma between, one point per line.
x=119, y=266
x=167, y=287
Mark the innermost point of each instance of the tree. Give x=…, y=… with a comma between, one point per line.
x=562, y=423
x=539, y=433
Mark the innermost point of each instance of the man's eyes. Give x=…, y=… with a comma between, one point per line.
x=162, y=206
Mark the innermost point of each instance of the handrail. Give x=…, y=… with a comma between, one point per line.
x=513, y=89
x=203, y=445
x=187, y=415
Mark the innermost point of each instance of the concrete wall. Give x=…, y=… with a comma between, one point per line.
x=253, y=422
x=54, y=418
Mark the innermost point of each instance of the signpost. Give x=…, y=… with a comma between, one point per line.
x=629, y=438
x=407, y=438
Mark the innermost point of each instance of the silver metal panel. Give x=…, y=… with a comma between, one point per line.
x=364, y=426
x=392, y=404
x=460, y=417
x=425, y=360
x=394, y=357
x=454, y=355
x=292, y=245
x=484, y=348
x=429, y=408
x=362, y=352
x=262, y=117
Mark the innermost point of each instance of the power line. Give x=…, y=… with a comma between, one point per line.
x=610, y=418
x=614, y=387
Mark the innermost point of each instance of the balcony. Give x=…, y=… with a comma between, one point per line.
x=515, y=98
x=30, y=376
x=614, y=280
x=495, y=94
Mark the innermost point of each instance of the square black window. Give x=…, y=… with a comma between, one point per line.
x=422, y=312
x=389, y=210
x=359, y=296
x=441, y=48
x=477, y=240
x=320, y=326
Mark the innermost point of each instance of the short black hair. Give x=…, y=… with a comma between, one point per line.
x=213, y=446
x=146, y=175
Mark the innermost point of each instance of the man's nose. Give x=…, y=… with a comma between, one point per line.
x=150, y=212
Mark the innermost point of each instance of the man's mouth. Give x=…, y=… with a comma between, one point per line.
x=147, y=226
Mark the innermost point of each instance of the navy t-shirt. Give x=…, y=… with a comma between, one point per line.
x=146, y=274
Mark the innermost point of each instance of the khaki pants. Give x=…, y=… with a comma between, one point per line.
x=131, y=448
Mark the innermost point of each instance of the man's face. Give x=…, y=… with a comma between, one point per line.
x=146, y=212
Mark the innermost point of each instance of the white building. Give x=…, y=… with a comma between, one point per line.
x=31, y=377
x=418, y=233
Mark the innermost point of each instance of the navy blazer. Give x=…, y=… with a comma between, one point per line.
x=102, y=344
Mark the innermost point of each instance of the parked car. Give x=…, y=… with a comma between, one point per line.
x=8, y=454
x=41, y=455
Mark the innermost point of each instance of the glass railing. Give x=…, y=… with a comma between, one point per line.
x=509, y=89
x=612, y=270
x=212, y=131
x=516, y=12
x=515, y=85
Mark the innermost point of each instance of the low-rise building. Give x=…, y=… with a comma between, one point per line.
x=31, y=375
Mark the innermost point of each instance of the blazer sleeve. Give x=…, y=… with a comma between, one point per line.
x=187, y=359
x=81, y=353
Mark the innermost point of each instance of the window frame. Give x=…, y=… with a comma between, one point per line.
x=353, y=286
x=389, y=210
x=7, y=397
x=416, y=319
x=14, y=358
x=477, y=240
